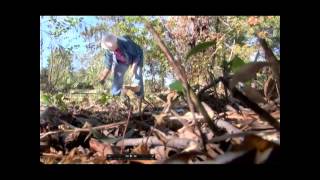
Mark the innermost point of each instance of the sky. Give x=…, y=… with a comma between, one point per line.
x=72, y=37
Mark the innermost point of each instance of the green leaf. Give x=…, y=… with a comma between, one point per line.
x=46, y=99
x=236, y=63
x=200, y=47
x=177, y=86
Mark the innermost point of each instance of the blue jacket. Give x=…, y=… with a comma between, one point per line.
x=130, y=50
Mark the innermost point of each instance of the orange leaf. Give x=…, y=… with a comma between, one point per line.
x=102, y=149
x=252, y=20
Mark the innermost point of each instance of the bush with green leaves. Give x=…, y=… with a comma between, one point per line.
x=53, y=100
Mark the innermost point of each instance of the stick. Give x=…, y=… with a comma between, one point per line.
x=127, y=123
x=52, y=155
x=108, y=126
x=178, y=143
x=227, y=136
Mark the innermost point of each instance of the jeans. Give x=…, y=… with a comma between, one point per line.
x=118, y=75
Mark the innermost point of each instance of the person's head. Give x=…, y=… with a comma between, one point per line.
x=109, y=41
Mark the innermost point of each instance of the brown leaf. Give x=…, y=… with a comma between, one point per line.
x=162, y=152
x=160, y=135
x=160, y=120
x=102, y=149
x=141, y=149
x=71, y=137
x=213, y=150
x=246, y=72
x=253, y=94
x=188, y=132
x=253, y=142
x=181, y=158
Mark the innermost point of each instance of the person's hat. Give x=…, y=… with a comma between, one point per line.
x=109, y=41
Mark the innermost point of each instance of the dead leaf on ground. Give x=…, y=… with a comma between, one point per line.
x=141, y=149
x=162, y=152
x=213, y=150
x=253, y=142
x=102, y=149
x=189, y=132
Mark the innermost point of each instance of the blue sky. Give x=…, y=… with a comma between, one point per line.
x=69, y=39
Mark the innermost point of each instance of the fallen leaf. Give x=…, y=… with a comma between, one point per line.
x=141, y=149
x=192, y=147
x=181, y=158
x=253, y=142
x=162, y=152
x=188, y=132
x=211, y=150
x=160, y=120
x=102, y=149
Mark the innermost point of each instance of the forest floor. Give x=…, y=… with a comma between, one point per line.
x=165, y=133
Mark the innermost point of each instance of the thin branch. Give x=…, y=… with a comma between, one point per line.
x=108, y=126
x=241, y=134
x=127, y=122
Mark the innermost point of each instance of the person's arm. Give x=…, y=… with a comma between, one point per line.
x=106, y=71
x=104, y=74
x=134, y=67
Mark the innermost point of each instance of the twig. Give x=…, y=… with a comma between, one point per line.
x=127, y=123
x=241, y=134
x=173, y=142
x=52, y=155
x=108, y=126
